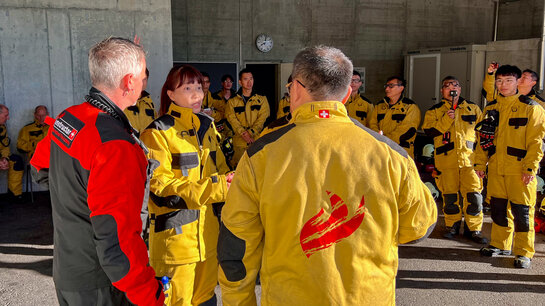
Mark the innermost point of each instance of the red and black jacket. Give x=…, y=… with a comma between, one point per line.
x=97, y=174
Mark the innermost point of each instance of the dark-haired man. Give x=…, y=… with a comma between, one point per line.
x=510, y=135
x=396, y=116
x=358, y=106
x=246, y=113
x=451, y=124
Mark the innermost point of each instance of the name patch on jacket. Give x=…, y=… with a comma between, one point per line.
x=66, y=128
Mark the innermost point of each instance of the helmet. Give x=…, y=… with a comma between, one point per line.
x=427, y=151
x=433, y=190
x=540, y=184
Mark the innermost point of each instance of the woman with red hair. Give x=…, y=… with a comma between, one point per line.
x=187, y=190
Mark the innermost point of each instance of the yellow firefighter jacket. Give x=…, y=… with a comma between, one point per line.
x=30, y=135
x=215, y=104
x=518, y=137
x=188, y=181
x=318, y=216
x=283, y=106
x=247, y=115
x=398, y=122
x=490, y=92
x=360, y=108
x=142, y=113
x=453, y=139
x=4, y=142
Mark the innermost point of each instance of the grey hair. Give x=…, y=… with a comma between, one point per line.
x=325, y=71
x=2, y=108
x=113, y=58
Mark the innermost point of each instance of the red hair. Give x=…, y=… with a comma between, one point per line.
x=178, y=75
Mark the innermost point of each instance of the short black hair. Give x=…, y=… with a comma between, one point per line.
x=535, y=76
x=206, y=75
x=450, y=78
x=508, y=70
x=227, y=76
x=397, y=77
x=245, y=70
x=356, y=73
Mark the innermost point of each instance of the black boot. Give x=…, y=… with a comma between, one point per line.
x=453, y=231
x=477, y=237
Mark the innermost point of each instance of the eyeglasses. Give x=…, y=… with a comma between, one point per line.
x=355, y=80
x=448, y=84
x=392, y=85
x=228, y=81
x=506, y=81
x=288, y=86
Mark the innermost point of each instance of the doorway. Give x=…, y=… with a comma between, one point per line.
x=265, y=84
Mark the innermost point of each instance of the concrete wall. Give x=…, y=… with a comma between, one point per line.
x=520, y=20
x=44, y=46
x=373, y=33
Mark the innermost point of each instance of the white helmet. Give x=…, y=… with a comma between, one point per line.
x=427, y=151
x=540, y=184
x=433, y=190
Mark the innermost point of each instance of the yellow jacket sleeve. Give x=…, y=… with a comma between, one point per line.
x=441, y=123
x=534, y=140
x=195, y=192
x=262, y=116
x=373, y=122
x=489, y=87
x=240, y=244
x=412, y=120
x=232, y=118
x=23, y=141
x=417, y=209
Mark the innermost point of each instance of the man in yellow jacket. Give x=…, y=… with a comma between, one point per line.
x=396, y=117
x=451, y=124
x=246, y=113
x=34, y=132
x=510, y=137
x=358, y=106
x=11, y=162
x=320, y=227
x=142, y=113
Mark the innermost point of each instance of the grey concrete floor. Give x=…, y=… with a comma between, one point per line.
x=434, y=272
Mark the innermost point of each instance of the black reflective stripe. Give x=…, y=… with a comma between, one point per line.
x=175, y=114
x=380, y=117
x=470, y=145
x=432, y=132
x=134, y=109
x=518, y=153
x=361, y=114
x=286, y=109
x=475, y=206
x=498, y=211
x=150, y=113
x=469, y=118
x=408, y=135
x=175, y=219
x=394, y=146
x=162, y=123
x=521, y=217
x=239, y=109
x=231, y=251
x=268, y=138
x=172, y=201
x=398, y=117
x=255, y=107
x=112, y=259
x=35, y=133
x=185, y=160
x=444, y=149
x=206, y=123
x=518, y=122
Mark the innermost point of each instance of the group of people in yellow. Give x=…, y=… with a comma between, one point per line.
x=29, y=136
x=190, y=182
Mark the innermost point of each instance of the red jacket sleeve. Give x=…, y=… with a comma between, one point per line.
x=40, y=161
x=115, y=190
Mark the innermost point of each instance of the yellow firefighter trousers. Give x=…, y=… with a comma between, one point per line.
x=464, y=181
x=512, y=207
x=192, y=284
x=15, y=175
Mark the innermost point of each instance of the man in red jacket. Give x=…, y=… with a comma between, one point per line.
x=98, y=178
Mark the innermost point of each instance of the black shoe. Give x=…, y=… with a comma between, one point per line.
x=452, y=232
x=477, y=237
x=491, y=251
x=522, y=262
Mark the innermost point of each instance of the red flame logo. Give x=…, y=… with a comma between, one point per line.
x=319, y=233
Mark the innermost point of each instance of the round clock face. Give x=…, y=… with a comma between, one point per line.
x=264, y=43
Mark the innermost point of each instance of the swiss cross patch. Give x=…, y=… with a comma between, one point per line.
x=66, y=127
x=323, y=113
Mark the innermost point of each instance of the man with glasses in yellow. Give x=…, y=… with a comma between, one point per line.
x=358, y=106
x=510, y=137
x=451, y=124
x=396, y=116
